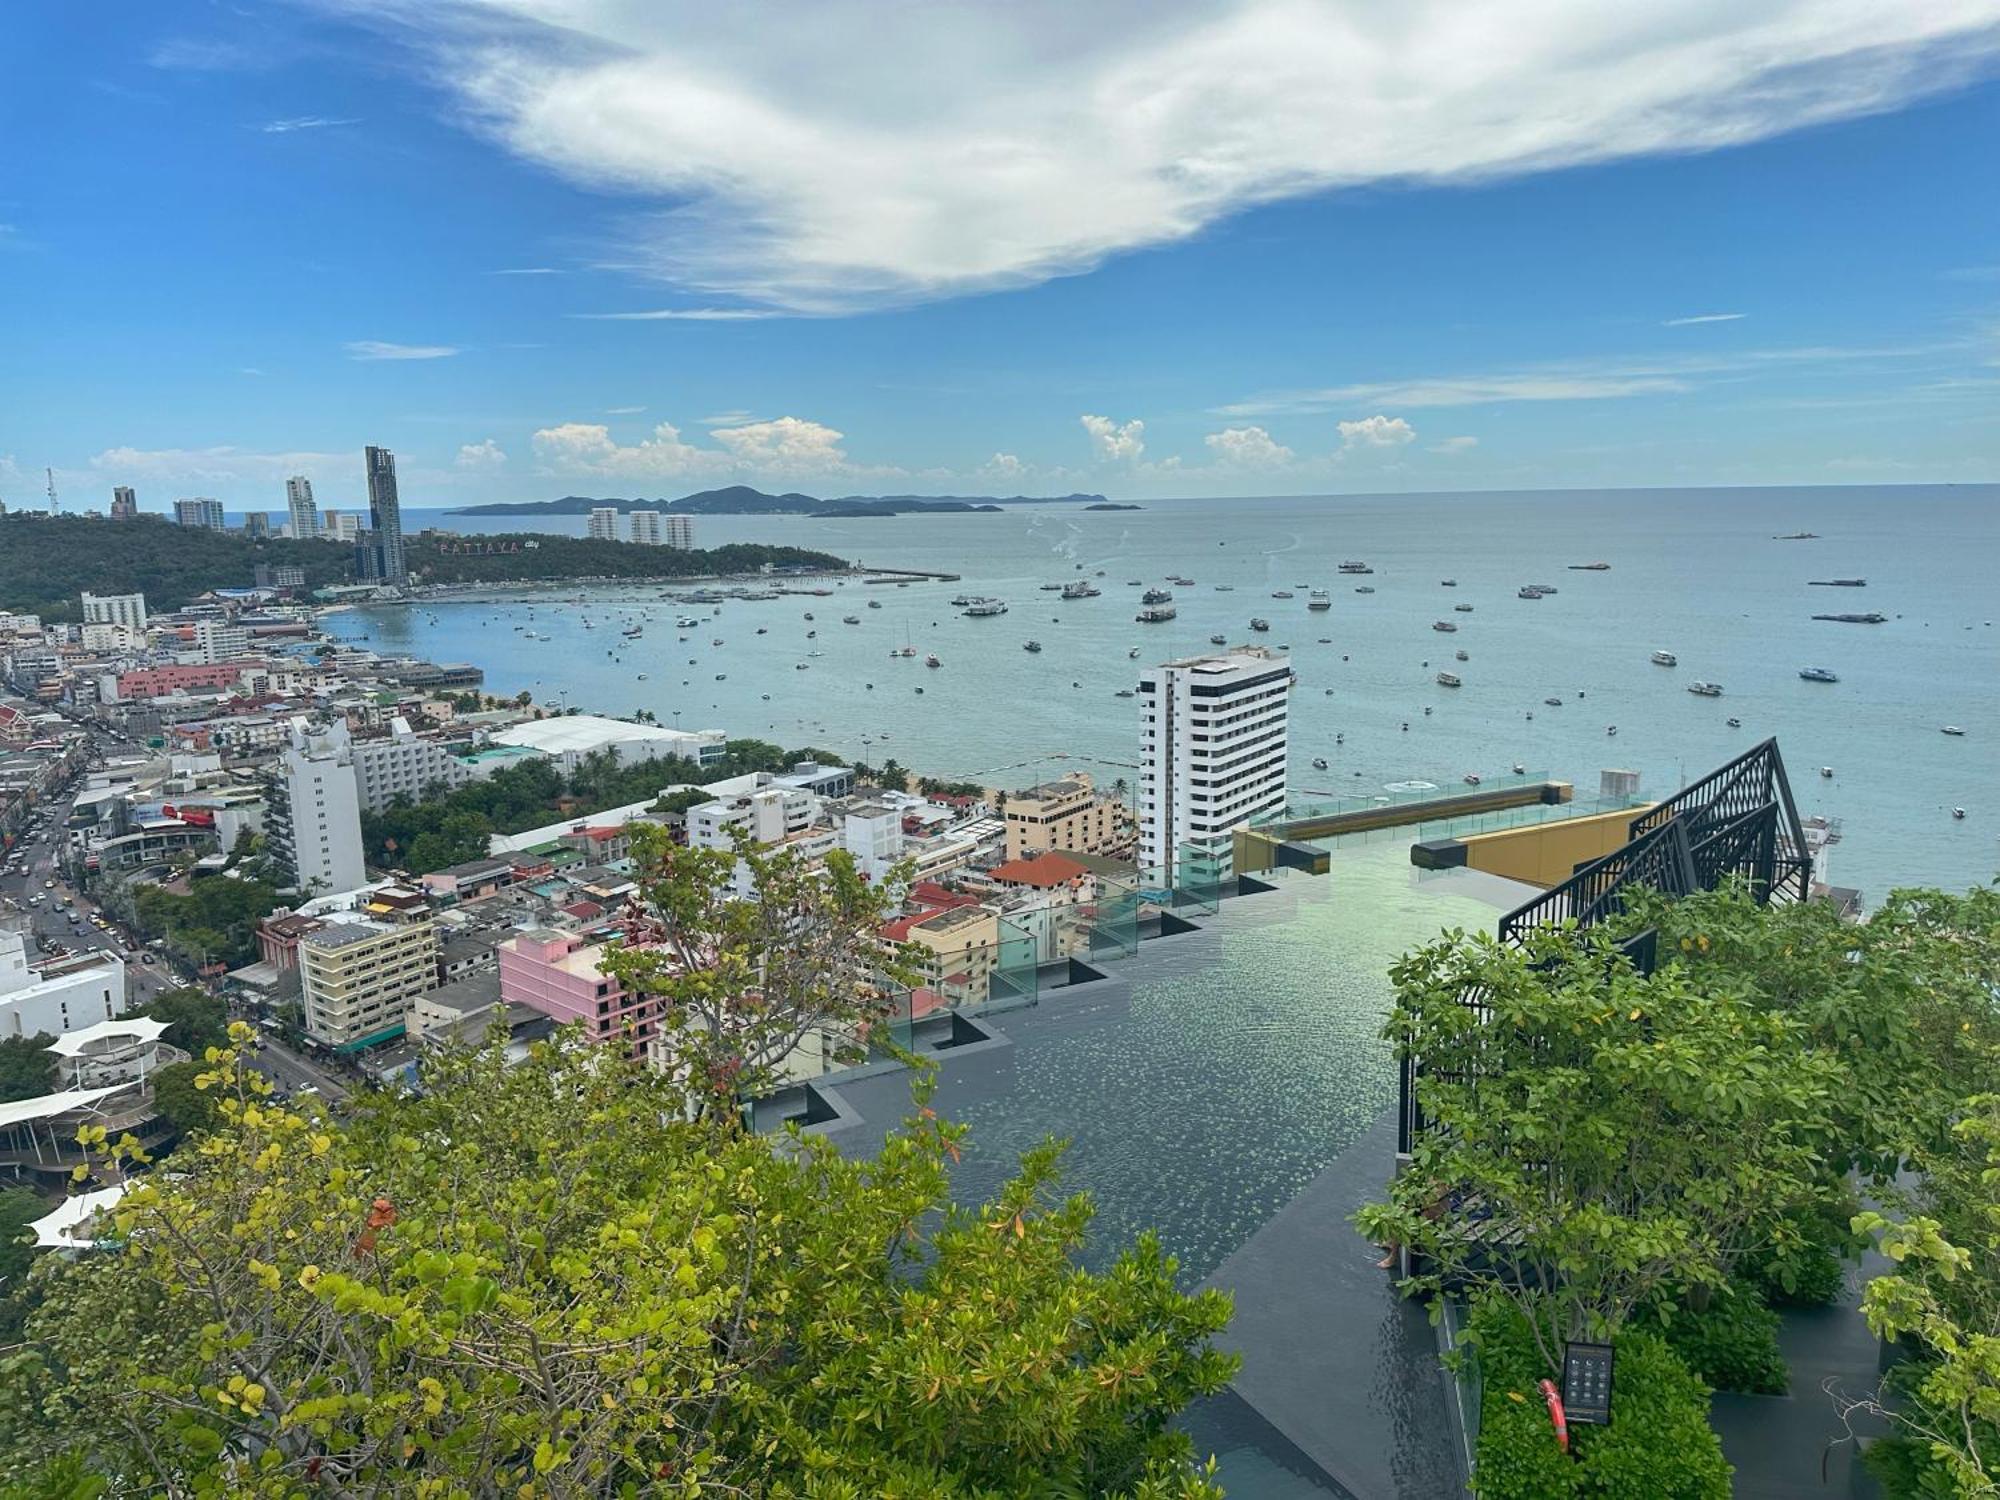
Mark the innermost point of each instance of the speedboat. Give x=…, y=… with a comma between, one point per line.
x=1553, y=702
x=932, y=661
x=1464, y=609
x=1827, y=772
x=1735, y=723
x=1281, y=593
x=1218, y=640
x=1952, y=730
x=1133, y=654
x=1031, y=646
x=1610, y=728
x=1446, y=626
x=1817, y=674
x=1520, y=769
x=1365, y=589
x=1472, y=778
x=1319, y=762
x=1958, y=812
x=1461, y=656
x=1665, y=659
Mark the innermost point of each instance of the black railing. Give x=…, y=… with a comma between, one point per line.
x=1736, y=823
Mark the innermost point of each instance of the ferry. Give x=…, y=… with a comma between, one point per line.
x=986, y=608
x=1817, y=674
x=1260, y=624
x=1448, y=679
x=1156, y=596
x=1590, y=567
x=1838, y=583
x=1153, y=614
x=1444, y=625
x=1031, y=646
x=1355, y=567
x=1665, y=659
x=1705, y=689
x=1318, y=599
x=1080, y=590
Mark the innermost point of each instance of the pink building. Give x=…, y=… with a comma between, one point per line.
x=557, y=973
x=152, y=682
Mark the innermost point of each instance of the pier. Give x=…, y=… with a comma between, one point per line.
x=904, y=575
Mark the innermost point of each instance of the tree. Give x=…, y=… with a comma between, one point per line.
x=894, y=777
x=27, y=1067
x=1597, y=1138
x=553, y=1279
x=741, y=983
x=196, y=1020
x=180, y=1098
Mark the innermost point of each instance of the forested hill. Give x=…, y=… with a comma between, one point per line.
x=46, y=563
x=742, y=500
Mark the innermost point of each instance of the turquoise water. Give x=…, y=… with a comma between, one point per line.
x=1696, y=572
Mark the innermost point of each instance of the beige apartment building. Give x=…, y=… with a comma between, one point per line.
x=960, y=949
x=1068, y=815
x=359, y=977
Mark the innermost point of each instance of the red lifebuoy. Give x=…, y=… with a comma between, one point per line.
x=1556, y=1413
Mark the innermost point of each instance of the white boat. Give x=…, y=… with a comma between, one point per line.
x=1665, y=659
x=1705, y=689
x=1319, y=762
x=1080, y=590
x=1464, y=609
x=1355, y=567
x=1951, y=729
x=1448, y=679
x=1318, y=599
x=1446, y=626
x=1472, y=778
x=1154, y=614
x=985, y=609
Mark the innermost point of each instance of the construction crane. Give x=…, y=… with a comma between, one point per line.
x=55, y=506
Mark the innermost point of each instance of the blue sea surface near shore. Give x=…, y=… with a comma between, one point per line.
x=1699, y=573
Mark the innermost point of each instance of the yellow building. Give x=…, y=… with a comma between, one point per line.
x=960, y=950
x=360, y=976
x=1067, y=815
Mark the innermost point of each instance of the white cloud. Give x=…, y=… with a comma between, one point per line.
x=1005, y=466
x=1703, y=318
x=837, y=162
x=526, y=271
x=376, y=349
x=684, y=315
x=1376, y=432
x=1248, y=447
x=727, y=419
x=1455, y=445
x=218, y=466
x=484, y=456
x=623, y=411
x=787, y=447
x=303, y=122
x=1113, y=441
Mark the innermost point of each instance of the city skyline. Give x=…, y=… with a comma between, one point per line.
x=647, y=257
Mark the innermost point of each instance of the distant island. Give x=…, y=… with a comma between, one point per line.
x=1112, y=505
x=742, y=500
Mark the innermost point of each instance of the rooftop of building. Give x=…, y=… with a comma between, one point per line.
x=1048, y=791
x=1044, y=870
x=579, y=733
x=345, y=932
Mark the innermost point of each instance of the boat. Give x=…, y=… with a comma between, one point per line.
x=1447, y=583
x=904, y=651
x=1355, y=567
x=1705, y=689
x=1281, y=593
x=1590, y=567
x=1156, y=596
x=959, y=601
x=1319, y=762
x=1958, y=812
x=687, y=622
x=800, y=666
x=1124, y=693
x=874, y=603
x=1735, y=723
x=1448, y=679
x=1838, y=583
x=1530, y=592
x=1610, y=728
x=1797, y=536
x=1446, y=626
x=1471, y=778
x=986, y=608
x=1953, y=730
x=1179, y=582
x=1365, y=589
x=1218, y=640
x=1318, y=599
x=932, y=661
x=1153, y=614
x=1870, y=617
x=1081, y=589
x=1665, y=659
x=809, y=614
x=1050, y=588
x=642, y=676
x=1260, y=624
x=1464, y=609
x=1520, y=769
x=1461, y=656
x=850, y=619
x=1133, y=654
x=1031, y=646
x=1817, y=674
x=1225, y=588
x=1553, y=702
x=1827, y=772
x=633, y=632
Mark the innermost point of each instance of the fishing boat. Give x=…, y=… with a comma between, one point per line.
x=1553, y=702
x=1154, y=614
x=1446, y=626
x=850, y=619
x=633, y=632
x=1156, y=596
x=1665, y=659
x=1464, y=609
x=1817, y=674
x=1530, y=592
x=1447, y=583
x=1124, y=693
x=1031, y=645
x=1448, y=679
x=1218, y=640
x=1461, y=656
x=1734, y=723
x=1081, y=589
x=1705, y=689
x=932, y=661
x=1318, y=599
x=985, y=609
x=874, y=603
x=1838, y=583
x=1365, y=589
x=1355, y=567
x=1260, y=624
x=1590, y=567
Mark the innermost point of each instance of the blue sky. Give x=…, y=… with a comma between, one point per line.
x=1272, y=246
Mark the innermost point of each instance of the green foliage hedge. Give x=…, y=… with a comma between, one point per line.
x=1659, y=1444
x=1732, y=1343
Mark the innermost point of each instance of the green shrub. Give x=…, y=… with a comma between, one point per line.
x=1659, y=1444
x=1732, y=1343
x=1806, y=1264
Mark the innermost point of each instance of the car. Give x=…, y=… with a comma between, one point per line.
x=145, y=958
x=48, y=885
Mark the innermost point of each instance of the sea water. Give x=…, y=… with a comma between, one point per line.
x=1699, y=573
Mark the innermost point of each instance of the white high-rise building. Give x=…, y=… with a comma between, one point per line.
x=1212, y=753
x=603, y=525
x=341, y=526
x=677, y=532
x=646, y=528
x=199, y=512
x=402, y=765
x=128, y=610
x=299, y=505
x=218, y=640
x=312, y=814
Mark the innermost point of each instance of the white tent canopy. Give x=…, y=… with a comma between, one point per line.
x=69, y=1227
